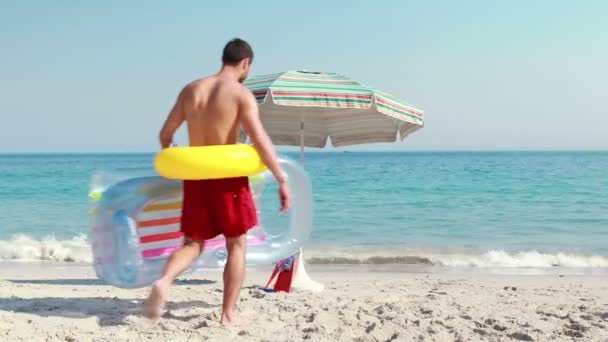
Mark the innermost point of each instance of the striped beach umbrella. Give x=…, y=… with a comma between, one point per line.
x=301, y=108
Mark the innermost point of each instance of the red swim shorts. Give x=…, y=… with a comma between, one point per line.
x=217, y=206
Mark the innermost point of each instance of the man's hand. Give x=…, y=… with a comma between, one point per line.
x=284, y=196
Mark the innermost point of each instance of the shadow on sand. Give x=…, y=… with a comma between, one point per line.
x=98, y=282
x=109, y=311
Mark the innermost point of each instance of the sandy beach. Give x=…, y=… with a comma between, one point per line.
x=48, y=302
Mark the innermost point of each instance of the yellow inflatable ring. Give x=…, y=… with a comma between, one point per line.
x=208, y=162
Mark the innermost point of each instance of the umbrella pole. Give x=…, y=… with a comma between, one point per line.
x=302, y=143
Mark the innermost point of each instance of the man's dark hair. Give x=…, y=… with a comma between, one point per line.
x=235, y=51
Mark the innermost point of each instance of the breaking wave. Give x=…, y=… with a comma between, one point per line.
x=25, y=248
x=489, y=259
x=78, y=249
x=527, y=259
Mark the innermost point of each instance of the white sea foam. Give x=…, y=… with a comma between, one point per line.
x=25, y=248
x=489, y=259
x=526, y=259
x=78, y=249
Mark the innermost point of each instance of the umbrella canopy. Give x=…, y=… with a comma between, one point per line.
x=300, y=108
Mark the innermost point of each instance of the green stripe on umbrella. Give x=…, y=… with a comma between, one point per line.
x=310, y=107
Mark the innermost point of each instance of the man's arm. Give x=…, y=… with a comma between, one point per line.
x=174, y=120
x=250, y=119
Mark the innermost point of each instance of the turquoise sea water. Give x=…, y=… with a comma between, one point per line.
x=504, y=209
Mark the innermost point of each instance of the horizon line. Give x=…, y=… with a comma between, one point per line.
x=313, y=151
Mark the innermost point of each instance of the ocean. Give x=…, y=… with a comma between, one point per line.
x=451, y=209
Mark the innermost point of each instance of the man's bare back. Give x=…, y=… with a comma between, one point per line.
x=210, y=107
x=215, y=108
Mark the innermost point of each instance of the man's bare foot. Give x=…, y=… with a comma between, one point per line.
x=233, y=320
x=153, y=306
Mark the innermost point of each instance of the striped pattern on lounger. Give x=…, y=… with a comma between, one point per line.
x=158, y=227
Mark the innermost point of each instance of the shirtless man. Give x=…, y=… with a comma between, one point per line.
x=214, y=109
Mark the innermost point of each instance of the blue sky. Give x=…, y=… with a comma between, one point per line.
x=101, y=76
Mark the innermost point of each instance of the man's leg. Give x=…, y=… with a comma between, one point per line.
x=178, y=262
x=234, y=274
